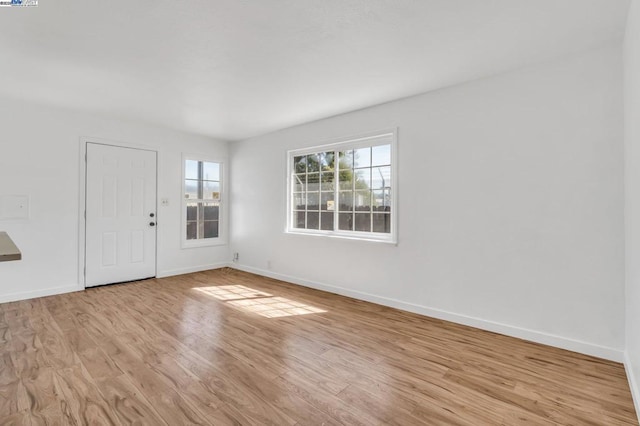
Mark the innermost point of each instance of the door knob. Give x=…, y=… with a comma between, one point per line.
x=152, y=215
x=152, y=224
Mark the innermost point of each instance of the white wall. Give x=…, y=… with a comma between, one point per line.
x=39, y=157
x=632, y=196
x=511, y=206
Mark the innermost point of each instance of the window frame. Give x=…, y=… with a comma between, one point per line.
x=221, y=239
x=377, y=138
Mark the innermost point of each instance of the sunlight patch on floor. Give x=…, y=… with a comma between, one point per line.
x=232, y=292
x=275, y=307
x=259, y=302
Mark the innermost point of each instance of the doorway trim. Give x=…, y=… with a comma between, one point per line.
x=82, y=198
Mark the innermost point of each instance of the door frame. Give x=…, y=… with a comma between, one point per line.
x=82, y=199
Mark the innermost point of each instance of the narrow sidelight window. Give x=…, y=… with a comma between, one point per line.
x=202, y=200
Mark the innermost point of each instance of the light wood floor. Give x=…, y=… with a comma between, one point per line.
x=226, y=347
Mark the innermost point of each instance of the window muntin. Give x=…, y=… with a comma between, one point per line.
x=344, y=189
x=202, y=199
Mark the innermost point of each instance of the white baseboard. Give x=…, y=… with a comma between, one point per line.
x=14, y=297
x=191, y=269
x=633, y=383
x=496, y=327
x=522, y=333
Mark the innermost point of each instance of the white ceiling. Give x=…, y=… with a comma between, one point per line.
x=232, y=69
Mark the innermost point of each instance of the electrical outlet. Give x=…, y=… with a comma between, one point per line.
x=236, y=257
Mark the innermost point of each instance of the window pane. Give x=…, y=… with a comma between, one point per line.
x=327, y=186
x=345, y=221
x=211, y=171
x=300, y=164
x=299, y=182
x=345, y=160
x=346, y=201
x=381, y=177
x=328, y=176
x=191, y=169
x=299, y=201
x=313, y=163
x=191, y=189
x=327, y=160
x=363, y=201
x=192, y=230
x=211, y=190
x=382, y=223
x=211, y=211
x=363, y=178
x=326, y=180
x=192, y=211
x=211, y=229
x=382, y=200
x=362, y=157
x=327, y=201
x=298, y=219
x=346, y=179
x=313, y=201
x=313, y=220
x=381, y=155
x=313, y=182
x=363, y=222
x=326, y=221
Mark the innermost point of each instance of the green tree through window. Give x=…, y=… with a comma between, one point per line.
x=352, y=195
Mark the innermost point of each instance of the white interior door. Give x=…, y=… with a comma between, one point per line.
x=120, y=214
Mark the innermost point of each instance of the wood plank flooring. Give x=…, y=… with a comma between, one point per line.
x=226, y=347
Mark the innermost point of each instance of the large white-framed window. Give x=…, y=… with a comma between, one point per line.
x=203, y=188
x=347, y=188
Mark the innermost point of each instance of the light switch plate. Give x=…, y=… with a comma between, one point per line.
x=14, y=207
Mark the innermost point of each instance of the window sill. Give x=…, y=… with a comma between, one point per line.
x=213, y=242
x=353, y=237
